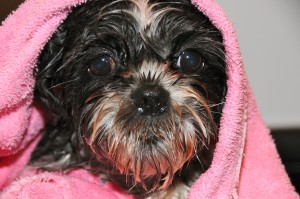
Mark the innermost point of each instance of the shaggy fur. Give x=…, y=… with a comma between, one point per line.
x=134, y=90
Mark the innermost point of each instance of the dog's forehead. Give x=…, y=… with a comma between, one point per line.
x=155, y=18
x=141, y=22
x=154, y=24
x=151, y=28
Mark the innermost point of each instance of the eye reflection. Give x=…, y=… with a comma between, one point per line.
x=102, y=65
x=189, y=61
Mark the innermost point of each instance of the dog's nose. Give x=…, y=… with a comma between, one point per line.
x=150, y=100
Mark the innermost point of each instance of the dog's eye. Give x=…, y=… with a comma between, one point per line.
x=189, y=61
x=102, y=65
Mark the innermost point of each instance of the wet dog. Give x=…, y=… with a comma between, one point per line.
x=133, y=91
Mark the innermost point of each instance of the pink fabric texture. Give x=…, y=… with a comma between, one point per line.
x=245, y=164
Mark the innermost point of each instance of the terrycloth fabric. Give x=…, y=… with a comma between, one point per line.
x=76, y=185
x=245, y=164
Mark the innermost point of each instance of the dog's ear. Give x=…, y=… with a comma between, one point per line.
x=47, y=88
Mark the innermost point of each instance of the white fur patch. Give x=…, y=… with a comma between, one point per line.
x=147, y=17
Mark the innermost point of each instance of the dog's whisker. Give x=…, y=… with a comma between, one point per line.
x=216, y=104
x=63, y=83
x=198, y=120
x=50, y=63
x=133, y=186
x=200, y=162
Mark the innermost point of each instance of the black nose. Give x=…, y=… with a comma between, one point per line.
x=150, y=100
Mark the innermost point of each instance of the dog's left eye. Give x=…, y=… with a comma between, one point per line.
x=189, y=61
x=102, y=65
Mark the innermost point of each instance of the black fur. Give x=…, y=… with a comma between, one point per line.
x=64, y=82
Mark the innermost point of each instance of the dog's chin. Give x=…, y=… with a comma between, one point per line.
x=147, y=150
x=155, y=160
x=140, y=170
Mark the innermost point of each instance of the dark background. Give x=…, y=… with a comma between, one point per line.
x=6, y=6
x=287, y=140
x=288, y=146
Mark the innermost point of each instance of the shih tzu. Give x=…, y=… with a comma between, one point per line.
x=133, y=91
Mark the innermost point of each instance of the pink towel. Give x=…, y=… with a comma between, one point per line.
x=245, y=164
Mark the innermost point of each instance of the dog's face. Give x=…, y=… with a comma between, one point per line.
x=140, y=82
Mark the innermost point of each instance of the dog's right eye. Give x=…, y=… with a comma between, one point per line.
x=102, y=65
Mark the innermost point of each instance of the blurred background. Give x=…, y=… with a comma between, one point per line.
x=268, y=33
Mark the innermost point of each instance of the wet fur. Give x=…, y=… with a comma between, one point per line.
x=91, y=120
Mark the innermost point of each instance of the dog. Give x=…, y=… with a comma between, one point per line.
x=133, y=91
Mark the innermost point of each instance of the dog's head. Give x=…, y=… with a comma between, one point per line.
x=140, y=82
